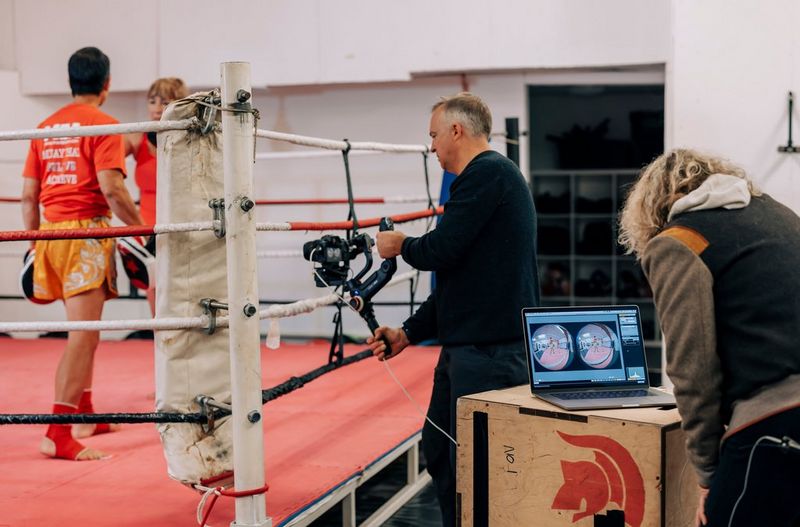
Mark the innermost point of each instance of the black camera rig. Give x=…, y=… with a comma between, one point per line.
x=332, y=256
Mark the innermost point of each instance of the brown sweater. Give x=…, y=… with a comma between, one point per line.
x=728, y=315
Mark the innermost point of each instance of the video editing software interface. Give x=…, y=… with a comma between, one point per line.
x=585, y=346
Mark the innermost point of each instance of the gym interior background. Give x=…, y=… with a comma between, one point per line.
x=598, y=87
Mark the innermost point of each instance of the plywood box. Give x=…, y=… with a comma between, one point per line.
x=524, y=462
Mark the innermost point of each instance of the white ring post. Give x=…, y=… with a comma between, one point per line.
x=238, y=130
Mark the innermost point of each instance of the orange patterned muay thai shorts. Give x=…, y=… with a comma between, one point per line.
x=66, y=268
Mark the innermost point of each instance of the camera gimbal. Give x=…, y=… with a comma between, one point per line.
x=333, y=254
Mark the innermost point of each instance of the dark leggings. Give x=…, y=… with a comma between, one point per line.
x=772, y=497
x=463, y=370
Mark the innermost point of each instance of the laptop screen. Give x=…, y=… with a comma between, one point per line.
x=576, y=347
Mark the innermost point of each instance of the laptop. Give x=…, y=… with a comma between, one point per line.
x=588, y=357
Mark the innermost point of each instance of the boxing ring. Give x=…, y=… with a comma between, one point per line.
x=321, y=441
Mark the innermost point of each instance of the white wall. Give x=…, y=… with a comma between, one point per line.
x=294, y=42
x=7, y=58
x=733, y=64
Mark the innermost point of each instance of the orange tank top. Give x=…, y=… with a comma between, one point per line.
x=146, y=181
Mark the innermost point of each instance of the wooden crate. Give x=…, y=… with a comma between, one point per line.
x=524, y=462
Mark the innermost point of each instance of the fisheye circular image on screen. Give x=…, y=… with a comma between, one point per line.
x=597, y=344
x=552, y=347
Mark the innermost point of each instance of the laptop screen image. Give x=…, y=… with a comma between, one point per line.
x=581, y=347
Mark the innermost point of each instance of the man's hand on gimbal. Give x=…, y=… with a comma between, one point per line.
x=389, y=243
x=397, y=340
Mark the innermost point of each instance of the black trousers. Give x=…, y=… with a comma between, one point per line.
x=463, y=370
x=772, y=497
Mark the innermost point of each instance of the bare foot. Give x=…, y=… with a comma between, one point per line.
x=48, y=448
x=82, y=431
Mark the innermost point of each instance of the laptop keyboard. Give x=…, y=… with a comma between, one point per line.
x=610, y=394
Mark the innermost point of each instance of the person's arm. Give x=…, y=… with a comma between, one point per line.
x=470, y=206
x=422, y=325
x=112, y=184
x=132, y=142
x=683, y=293
x=30, y=204
x=418, y=327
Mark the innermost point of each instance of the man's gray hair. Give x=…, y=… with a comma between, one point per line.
x=469, y=110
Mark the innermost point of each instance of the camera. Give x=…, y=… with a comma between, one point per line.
x=333, y=255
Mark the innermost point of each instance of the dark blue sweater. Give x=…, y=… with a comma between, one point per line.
x=484, y=255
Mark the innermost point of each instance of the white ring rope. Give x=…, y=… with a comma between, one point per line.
x=331, y=144
x=402, y=277
x=103, y=129
x=302, y=154
x=282, y=226
x=408, y=199
x=297, y=308
x=279, y=253
x=275, y=253
x=110, y=325
x=161, y=324
x=167, y=228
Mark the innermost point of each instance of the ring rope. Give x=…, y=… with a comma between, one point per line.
x=275, y=253
x=147, y=230
x=121, y=418
x=260, y=156
x=154, y=324
x=345, y=225
x=102, y=129
x=214, y=493
x=161, y=324
x=274, y=311
x=303, y=154
x=331, y=144
x=312, y=201
x=106, y=232
x=267, y=395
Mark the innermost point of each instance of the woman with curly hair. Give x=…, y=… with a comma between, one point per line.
x=723, y=260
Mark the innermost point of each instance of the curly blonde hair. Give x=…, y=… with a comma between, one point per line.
x=668, y=178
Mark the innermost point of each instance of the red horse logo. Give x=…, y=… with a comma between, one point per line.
x=613, y=477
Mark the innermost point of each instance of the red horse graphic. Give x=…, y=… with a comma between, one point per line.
x=613, y=477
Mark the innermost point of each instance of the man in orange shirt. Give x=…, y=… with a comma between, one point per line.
x=79, y=182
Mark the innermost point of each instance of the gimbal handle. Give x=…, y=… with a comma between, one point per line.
x=361, y=294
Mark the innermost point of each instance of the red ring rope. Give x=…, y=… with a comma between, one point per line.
x=76, y=234
x=148, y=230
x=321, y=201
x=219, y=491
x=369, y=222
